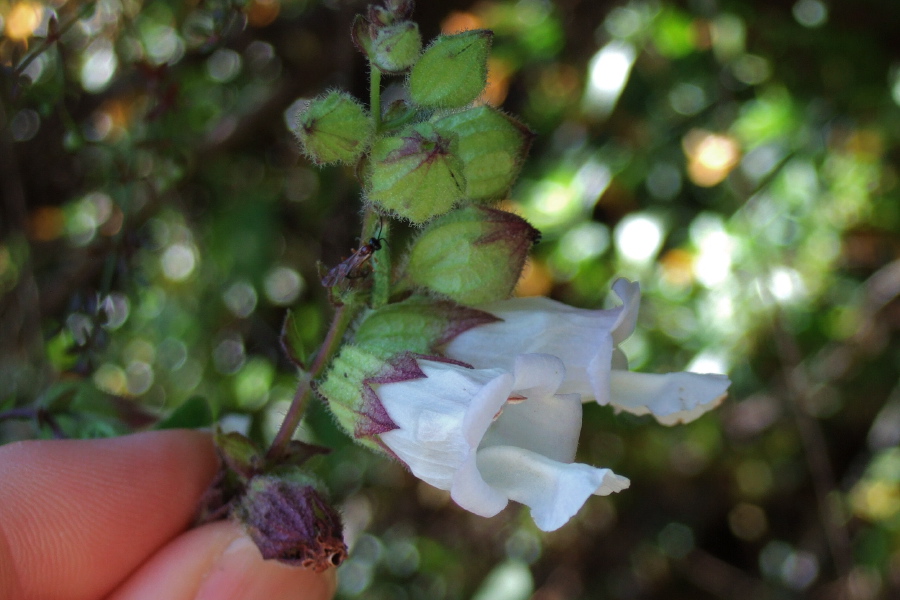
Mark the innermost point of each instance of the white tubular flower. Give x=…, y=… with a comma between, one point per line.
x=494, y=435
x=587, y=342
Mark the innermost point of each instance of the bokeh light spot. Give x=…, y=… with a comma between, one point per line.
x=687, y=99
x=229, y=355
x=112, y=379
x=713, y=264
x=240, y=298
x=139, y=377
x=283, y=285
x=164, y=45
x=262, y=12
x=46, y=223
x=676, y=540
x=457, y=22
x=253, y=383
x=510, y=580
x=711, y=157
x=115, y=308
x=536, y=280
x=748, y=522
x=22, y=20
x=223, y=65
x=810, y=13
x=638, y=237
x=100, y=64
x=178, y=262
x=24, y=125
x=751, y=69
x=583, y=242
x=608, y=72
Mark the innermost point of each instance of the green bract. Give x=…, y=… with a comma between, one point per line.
x=472, y=255
x=418, y=324
x=396, y=47
x=343, y=389
x=335, y=128
x=415, y=174
x=492, y=147
x=452, y=71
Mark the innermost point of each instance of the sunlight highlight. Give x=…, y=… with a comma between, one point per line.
x=22, y=20
x=608, y=73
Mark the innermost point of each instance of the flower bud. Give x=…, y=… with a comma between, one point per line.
x=415, y=174
x=401, y=9
x=396, y=47
x=387, y=26
x=335, y=128
x=289, y=520
x=452, y=71
x=492, y=146
x=472, y=255
x=418, y=324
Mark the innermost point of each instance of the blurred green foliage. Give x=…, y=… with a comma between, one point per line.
x=738, y=159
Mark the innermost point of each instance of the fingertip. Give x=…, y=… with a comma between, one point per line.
x=79, y=515
x=219, y=562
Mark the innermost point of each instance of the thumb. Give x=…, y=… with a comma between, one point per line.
x=219, y=562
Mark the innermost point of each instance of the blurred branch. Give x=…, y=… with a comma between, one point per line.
x=722, y=579
x=55, y=31
x=815, y=449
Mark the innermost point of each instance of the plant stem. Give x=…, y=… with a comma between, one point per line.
x=381, y=284
x=375, y=95
x=343, y=316
x=345, y=313
x=381, y=266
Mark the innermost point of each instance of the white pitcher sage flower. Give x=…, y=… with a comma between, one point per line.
x=493, y=435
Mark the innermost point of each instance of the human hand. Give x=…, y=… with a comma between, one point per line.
x=85, y=519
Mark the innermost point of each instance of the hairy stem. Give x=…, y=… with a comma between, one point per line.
x=343, y=316
x=372, y=226
x=375, y=95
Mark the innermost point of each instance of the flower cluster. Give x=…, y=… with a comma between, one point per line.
x=474, y=392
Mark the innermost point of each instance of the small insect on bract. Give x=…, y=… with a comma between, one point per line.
x=352, y=267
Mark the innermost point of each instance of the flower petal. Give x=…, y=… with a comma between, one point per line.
x=670, y=397
x=549, y=426
x=598, y=373
x=630, y=294
x=537, y=375
x=533, y=325
x=442, y=417
x=553, y=490
x=470, y=491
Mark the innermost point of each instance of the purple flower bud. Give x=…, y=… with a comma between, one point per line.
x=291, y=522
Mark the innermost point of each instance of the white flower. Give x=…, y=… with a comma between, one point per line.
x=494, y=435
x=586, y=341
